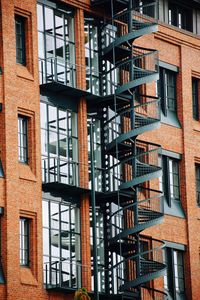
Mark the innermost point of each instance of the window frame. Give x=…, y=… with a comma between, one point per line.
x=22, y=36
x=56, y=225
x=163, y=86
x=23, y=130
x=61, y=69
x=181, y=16
x=197, y=183
x=166, y=179
x=195, y=98
x=171, y=275
x=24, y=262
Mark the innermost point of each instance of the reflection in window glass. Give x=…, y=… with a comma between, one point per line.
x=91, y=55
x=97, y=152
x=57, y=62
x=59, y=145
x=61, y=243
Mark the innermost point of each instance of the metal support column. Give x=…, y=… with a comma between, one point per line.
x=93, y=202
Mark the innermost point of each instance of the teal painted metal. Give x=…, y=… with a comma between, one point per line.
x=137, y=205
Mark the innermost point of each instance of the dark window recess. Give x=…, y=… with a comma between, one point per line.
x=167, y=90
x=174, y=277
x=171, y=179
x=146, y=7
x=195, y=104
x=20, y=40
x=179, y=16
x=197, y=168
x=24, y=241
x=23, y=139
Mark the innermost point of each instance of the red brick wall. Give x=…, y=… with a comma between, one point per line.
x=20, y=190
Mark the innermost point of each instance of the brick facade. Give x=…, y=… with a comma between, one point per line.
x=20, y=189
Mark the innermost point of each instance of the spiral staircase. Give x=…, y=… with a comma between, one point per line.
x=133, y=201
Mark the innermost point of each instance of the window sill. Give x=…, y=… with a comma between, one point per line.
x=26, y=276
x=171, y=119
x=196, y=125
x=175, y=210
x=25, y=172
x=23, y=72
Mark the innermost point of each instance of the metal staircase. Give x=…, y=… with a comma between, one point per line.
x=133, y=199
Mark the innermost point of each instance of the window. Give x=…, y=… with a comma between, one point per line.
x=24, y=241
x=20, y=40
x=56, y=45
x=100, y=248
x=91, y=55
x=170, y=183
x=180, y=16
x=59, y=145
x=197, y=169
x=23, y=139
x=167, y=91
x=195, y=99
x=174, y=277
x=97, y=152
x=146, y=7
x=61, y=243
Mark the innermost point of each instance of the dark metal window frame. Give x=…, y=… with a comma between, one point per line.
x=56, y=261
x=23, y=139
x=195, y=98
x=163, y=89
x=54, y=66
x=178, y=10
x=20, y=39
x=24, y=242
x=170, y=273
x=166, y=181
x=71, y=163
x=197, y=173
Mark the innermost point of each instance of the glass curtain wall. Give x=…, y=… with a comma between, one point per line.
x=56, y=45
x=91, y=55
x=61, y=244
x=59, y=145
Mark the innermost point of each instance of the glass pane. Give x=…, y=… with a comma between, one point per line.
x=62, y=121
x=52, y=118
x=54, y=215
x=43, y=115
x=45, y=212
x=55, y=243
x=63, y=147
x=50, y=46
x=59, y=26
x=49, y=24
x=41, y=45
x=45, y=241
x=65, y=218
x=53, y=146
x=60, y=49
x=40, y=18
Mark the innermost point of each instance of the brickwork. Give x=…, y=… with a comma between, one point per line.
x=20, y=190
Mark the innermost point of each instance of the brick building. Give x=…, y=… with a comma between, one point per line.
x=102, y=94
